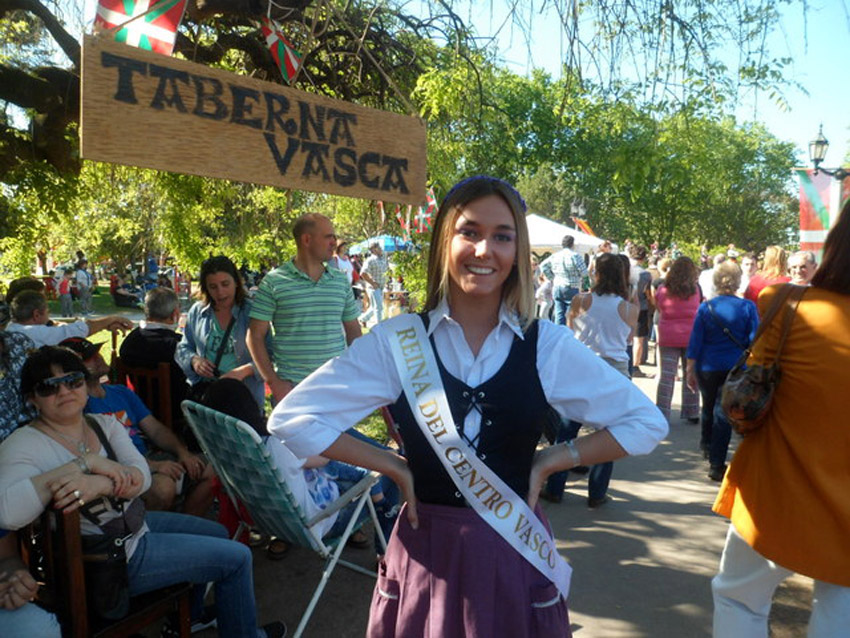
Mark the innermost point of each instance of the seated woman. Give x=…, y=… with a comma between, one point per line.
x=315, y=481
x=214, y=338
x=58, y=458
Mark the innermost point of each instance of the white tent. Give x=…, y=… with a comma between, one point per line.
x=546, y=235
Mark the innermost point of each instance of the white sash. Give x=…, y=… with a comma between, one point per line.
x=491, y=498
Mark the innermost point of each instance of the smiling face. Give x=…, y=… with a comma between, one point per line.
x=801, y=269
x=483, y=250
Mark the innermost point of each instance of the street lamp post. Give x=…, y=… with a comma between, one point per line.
x=817, y=151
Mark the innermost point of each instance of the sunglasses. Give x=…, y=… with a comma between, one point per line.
x=50, y=387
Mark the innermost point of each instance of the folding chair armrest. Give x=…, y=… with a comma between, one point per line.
x=344, y=499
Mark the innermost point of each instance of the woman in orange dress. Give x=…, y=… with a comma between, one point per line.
x=787, y=491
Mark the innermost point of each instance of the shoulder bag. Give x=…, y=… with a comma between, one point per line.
x=104, y=555
x=198, y=390
x=747, y=394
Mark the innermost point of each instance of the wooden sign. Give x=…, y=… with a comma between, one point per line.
x=144, y=109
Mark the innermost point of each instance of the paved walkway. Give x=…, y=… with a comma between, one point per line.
x=642, y=562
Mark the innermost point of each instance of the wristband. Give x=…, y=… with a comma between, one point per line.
x=574, y=454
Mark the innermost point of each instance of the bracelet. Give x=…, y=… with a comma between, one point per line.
x=574, y=454
x=81, y=463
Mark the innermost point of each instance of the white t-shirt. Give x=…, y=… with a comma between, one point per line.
x=313, y=490
x=42, y=335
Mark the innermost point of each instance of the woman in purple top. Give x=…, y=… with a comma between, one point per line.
x=677, y=300
x=723, y=327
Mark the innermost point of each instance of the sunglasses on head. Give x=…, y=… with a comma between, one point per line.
x=50, y=387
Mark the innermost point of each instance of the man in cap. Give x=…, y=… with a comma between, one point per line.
x=167, y=466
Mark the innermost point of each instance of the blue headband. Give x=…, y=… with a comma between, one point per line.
x=490, y=179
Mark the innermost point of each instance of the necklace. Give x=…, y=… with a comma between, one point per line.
x=81, y=445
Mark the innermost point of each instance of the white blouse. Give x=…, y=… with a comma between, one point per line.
x=576, y=382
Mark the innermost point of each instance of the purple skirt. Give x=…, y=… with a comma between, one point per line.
x=455, y=577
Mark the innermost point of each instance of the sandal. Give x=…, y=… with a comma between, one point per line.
x=277, y=549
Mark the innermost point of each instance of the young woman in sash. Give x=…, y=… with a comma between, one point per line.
x=470, y=382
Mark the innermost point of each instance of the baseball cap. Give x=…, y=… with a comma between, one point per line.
x=83, y=347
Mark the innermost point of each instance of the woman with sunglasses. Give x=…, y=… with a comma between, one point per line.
x=59, y=461
x=471, y=555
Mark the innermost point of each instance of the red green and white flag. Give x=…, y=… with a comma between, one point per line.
x=155, y=28
x=287, y=58
x=404, y=223
x=821, y=199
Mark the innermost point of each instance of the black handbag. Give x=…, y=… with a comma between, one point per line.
x=747, y=394
x=104, y=555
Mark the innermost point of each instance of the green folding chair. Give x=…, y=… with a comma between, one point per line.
x=244, y=466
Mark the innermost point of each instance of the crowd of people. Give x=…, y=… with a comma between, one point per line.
x=459, y=378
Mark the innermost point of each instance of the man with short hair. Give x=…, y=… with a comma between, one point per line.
x=85, y=283
x=706, y=277
x=374, y=273
x=30, y=316
x=155, y=341
x=749, y=267
x=167, y=470
x=566, y=270
x=309, y=306
x=802, y=266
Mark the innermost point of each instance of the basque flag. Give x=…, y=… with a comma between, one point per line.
x=287, y=58
x=154, y=30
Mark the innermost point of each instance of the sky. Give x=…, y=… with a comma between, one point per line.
x=819, y=48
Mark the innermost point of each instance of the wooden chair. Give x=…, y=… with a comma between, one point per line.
x=153, y=385
x=53, y=547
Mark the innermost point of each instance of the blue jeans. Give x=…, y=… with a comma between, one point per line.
x=347, y=476
x=180, y=548
x=597, y=480
x=376, y=306
x=563, y=296
x=716, y=430
x=29, y=620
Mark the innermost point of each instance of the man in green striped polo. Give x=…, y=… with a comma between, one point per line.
x=309, y=306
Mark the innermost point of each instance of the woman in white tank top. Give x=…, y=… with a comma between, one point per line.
x=604, y=321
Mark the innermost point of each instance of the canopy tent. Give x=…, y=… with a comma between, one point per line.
x=388, y=243
x=546, y=235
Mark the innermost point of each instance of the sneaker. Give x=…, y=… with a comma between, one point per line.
x=275, y=630
x=170, y=627
x=206, y=620
x=637, y=373
x=717, y=472
x=593, y=503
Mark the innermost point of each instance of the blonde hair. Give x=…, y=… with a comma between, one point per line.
x=775, y=262
x=727, y=278
x=518, y=289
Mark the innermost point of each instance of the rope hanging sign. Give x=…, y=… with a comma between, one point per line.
x=144, y=109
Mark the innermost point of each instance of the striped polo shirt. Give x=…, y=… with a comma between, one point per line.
x=306, y=317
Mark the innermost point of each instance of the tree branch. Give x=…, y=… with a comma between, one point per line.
x=64, y=39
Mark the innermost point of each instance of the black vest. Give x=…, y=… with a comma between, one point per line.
x=513, y=411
